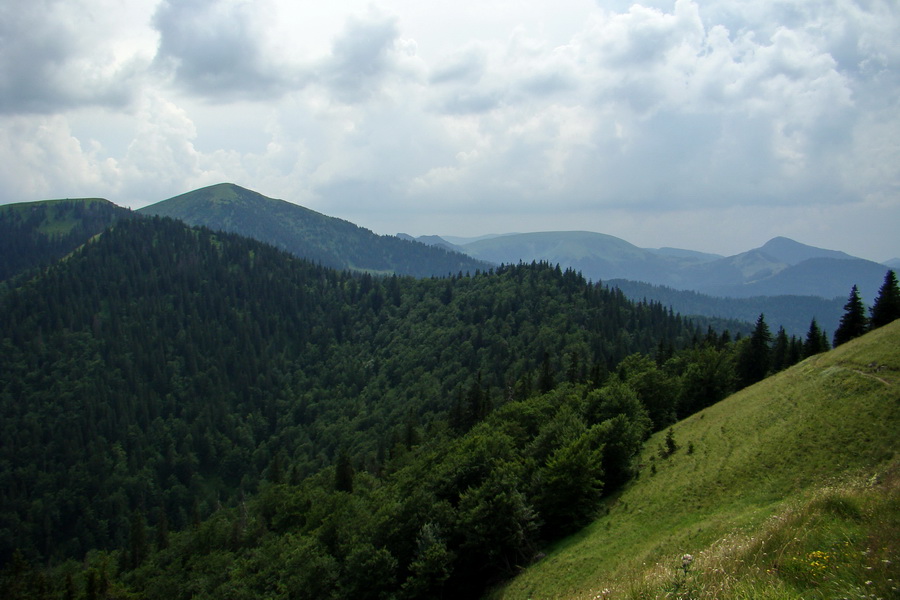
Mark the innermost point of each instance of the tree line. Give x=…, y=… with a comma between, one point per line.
x=885, y=309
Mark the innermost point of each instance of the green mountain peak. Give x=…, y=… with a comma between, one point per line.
x=306, y=233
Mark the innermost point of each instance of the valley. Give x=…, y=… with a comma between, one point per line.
x=190, y=411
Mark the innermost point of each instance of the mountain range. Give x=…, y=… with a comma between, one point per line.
x=789, y=281
x=303, y=232
x=781, y=266
x=193, y=413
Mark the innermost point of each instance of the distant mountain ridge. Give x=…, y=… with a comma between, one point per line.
x=303, y=232
x=790, y=282
x=791, y=252
x=759, y=280
x=792, y=312
x=781, y=266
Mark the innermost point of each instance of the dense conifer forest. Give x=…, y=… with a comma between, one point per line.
x=192, y=414
x=36, y=234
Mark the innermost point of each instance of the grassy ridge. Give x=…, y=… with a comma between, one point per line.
x=807, y=455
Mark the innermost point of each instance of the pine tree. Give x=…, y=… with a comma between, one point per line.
x=343, y=474
x=755, y=358
x=162, y=530
x=781, y=351
x=816, y=341
x=887, y=304
x=137, y=542
x=854, y=322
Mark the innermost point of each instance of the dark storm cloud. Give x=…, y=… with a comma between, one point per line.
x=49, y=62
x=215, y=49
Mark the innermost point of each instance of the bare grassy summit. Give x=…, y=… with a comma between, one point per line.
x=787, y=489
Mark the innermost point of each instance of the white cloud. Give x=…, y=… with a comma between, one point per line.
x=218, y=49
x=40, y=158
x=606, y=114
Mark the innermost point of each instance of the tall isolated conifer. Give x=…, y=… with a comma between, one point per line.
x=816, y=341
x=887, y=303
x=854, y=322
x=755, y=358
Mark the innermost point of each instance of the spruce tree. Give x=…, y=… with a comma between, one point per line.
x=137, y=542
x=343, y=473
x=781, y=351
x=854, y=322
x=755, y=357
x=887, y=304
x=816, y=341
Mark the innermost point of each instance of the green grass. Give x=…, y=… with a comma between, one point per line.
x=791, y=491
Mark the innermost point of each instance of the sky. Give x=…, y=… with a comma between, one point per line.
x=712, y=125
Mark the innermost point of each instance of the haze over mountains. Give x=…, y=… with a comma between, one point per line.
x=780, y=267
x=788, y=281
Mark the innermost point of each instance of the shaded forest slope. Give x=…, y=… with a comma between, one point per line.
x=34, y=234
x=164, y=367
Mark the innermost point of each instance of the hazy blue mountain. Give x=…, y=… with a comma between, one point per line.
x=598, y=256
x=894, y=263
x=779, y=267
x=794, y=313
x=687, y=254
x=431, y=240
x=460, y=240
x=757, y=271
x=303, y=232
x=790, y=252
x=824, y=277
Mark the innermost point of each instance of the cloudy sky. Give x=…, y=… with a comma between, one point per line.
x=705, y=124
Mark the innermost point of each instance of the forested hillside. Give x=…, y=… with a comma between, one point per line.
x=303, y=232
x=35, y=234
x=167, y=368
x=193, y=414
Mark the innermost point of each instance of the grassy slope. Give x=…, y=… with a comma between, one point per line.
x=764, y=464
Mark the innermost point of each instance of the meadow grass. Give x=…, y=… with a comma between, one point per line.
x=790, y=491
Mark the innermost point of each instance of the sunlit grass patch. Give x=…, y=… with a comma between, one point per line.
x=841, y=542
x=766, y=503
